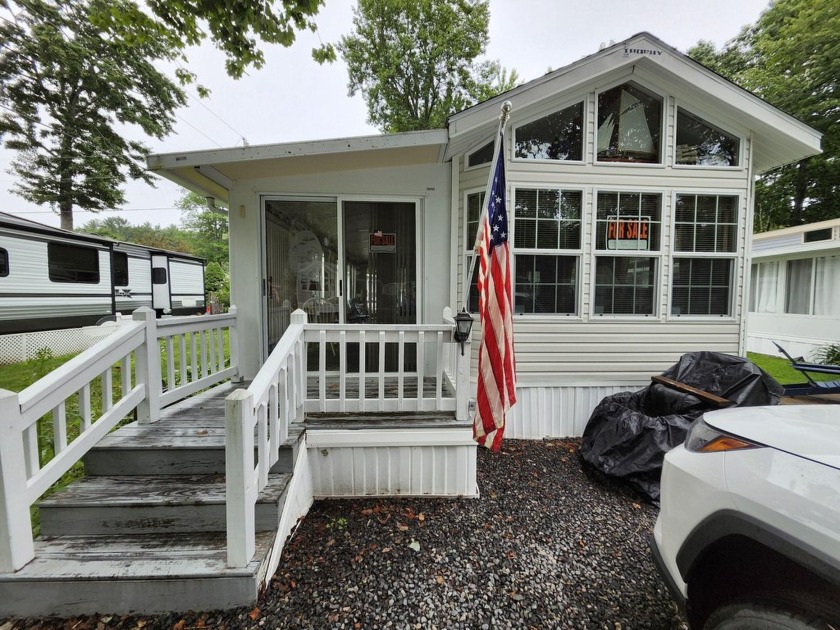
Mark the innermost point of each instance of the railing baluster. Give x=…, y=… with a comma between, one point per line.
x=84, y=406
x=182, y=345
x=107, y=390
x=211, y=342
x=381, y=370
x=273, y=424
x=203, y=338
x=322, y=369
x=283, y=415
x=301, y=392
x=125, y=374
x=193, y=358
x=342, y=371
x=421, y=363
x=439, y=372
x=31, y=451
x=362, y=370
x=221, y=341
x=59, y=417
x=170, y=364
x=262, y=450
x=401, y=370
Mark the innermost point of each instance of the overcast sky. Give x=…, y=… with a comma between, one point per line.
x=293, y=98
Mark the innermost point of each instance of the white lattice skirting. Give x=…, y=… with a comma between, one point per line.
x=24, y=346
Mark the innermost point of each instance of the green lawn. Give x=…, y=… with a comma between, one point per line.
x=779, y=368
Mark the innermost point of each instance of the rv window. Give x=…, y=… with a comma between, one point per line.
x=4, y=262
x=120, y=262
x=158, y=275
x=72, y=263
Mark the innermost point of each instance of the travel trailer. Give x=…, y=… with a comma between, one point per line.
x=52, y=278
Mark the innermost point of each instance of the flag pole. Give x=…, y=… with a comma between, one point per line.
x=503, y=118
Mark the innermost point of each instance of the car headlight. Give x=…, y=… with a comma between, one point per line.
x=702, y=438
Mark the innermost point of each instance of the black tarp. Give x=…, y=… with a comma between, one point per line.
x=629, y=433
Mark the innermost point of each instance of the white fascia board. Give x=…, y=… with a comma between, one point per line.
x=801, y=250
x=163, y=161
x=357, y=438
x=798, y=229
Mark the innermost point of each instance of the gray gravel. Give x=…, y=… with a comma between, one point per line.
x=546, y=546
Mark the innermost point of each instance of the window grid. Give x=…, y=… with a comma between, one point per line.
x=625, y=285
x=701, y=286
x=639, y=213
x=706, y=223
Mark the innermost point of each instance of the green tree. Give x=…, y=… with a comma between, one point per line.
x=415, y=60
x=66, y=90
x=791, y=58
x=171, y=238
x=208, y=228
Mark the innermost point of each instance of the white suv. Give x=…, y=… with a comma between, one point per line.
x=748, y=535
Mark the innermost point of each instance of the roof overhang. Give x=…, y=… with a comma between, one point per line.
x=778, y=138
x=214, y=173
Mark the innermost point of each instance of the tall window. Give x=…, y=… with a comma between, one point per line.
x=473, y=213
x=547, y=245
x=72, y=263
x=701, y=143
x=4, y=262
x=705, y=245
x=120, y=262
x=800, y=278
x=627, y=241
x=763, y=287
x=629, y=125
x=810, y=286
x=558, y=136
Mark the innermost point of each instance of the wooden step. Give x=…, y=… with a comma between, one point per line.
x=177, y=449
x=143, y=504
x=81, y=575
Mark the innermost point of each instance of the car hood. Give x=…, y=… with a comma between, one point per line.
x=810, y=431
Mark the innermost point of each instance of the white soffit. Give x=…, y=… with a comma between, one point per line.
x=214, y=172
x=779, y=138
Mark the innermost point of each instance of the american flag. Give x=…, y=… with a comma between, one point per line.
x=496, y=363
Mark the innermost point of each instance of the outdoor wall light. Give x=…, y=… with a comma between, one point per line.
x=463, y=326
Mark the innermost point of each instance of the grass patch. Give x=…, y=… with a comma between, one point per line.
x=780, y=369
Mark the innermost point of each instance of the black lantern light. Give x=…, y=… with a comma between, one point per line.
x=463, y=326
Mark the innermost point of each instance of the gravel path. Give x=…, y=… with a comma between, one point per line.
x=545, y=546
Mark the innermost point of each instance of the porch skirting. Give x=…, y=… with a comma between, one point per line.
x=439, y=461
x=556, y=411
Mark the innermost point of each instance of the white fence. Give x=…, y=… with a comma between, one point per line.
x=124, y=371
x=25, y=346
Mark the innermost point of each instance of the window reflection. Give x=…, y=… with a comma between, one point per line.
x=629, y=125
x=700, y=143
x=558, y=136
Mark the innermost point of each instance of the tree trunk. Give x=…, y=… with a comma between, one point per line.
x=66, y=214
x=800, y=191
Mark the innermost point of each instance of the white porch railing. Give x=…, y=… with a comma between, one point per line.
x=279, y=395
x=133, y=354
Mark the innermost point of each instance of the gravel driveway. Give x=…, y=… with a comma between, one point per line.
x=545, y=546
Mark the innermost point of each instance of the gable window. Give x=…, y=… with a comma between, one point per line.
x=484, y=155
x=72, y=263
x=701, y=143
x=120, y=262
x=558, y=136
x=705, y=246
x=627, y=238
x=629, y=125
x=4, y=263
x=547, y=250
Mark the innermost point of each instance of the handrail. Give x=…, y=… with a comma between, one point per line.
x=135, y=349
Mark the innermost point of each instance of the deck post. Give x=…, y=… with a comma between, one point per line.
x=147, y=367
x=240, y=482
x=233, y=337
x=462, y=382
x=16, y=546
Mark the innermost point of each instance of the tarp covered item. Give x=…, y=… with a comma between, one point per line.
x=629, y=433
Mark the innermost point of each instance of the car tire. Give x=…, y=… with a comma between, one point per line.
x=759, y=616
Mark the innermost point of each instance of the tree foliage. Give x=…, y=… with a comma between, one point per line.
x=67, y=90
x=415, y=60
x=791, y=58
x=208, y=228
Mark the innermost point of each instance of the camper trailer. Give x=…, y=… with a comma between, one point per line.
x=52, y=278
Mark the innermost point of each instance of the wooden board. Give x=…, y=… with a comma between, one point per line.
x=705, y=396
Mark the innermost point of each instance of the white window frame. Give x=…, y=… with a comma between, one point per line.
x=534, y=251
x=733, y=256
x=742, y=141
x=467, y=254
x=663, y=126
x=582, y=100
x=659, y=255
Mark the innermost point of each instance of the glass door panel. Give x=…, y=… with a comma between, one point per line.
x=380, y=273
x=301, y=251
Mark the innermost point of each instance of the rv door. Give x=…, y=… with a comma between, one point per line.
x=161, y=300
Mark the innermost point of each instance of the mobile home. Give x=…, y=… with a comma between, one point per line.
x=630, y=186
x=52, y=278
